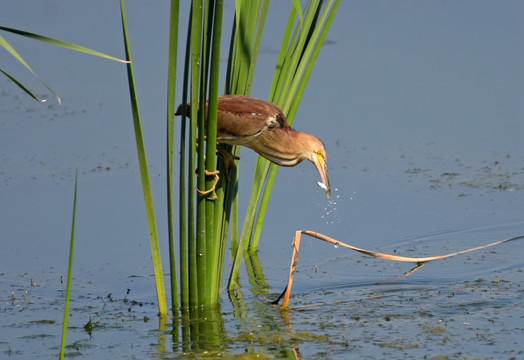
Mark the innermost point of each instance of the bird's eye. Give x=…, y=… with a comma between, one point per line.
x=320, y=154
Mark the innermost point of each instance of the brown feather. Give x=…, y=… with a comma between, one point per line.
x=240, y=117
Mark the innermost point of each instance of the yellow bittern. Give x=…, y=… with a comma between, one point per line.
x=262, y=127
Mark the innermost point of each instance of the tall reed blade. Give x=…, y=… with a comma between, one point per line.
x=69, y=271
x=144, y=175
x=21, y=86
x=17, y=56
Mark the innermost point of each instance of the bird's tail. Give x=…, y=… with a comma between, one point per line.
x=180, y=108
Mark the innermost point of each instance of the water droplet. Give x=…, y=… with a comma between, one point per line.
x=336, y=245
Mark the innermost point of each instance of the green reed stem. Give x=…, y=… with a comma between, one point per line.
x=185, y=233
x=171, y=86
x=196, y=244
x=202, y=235
x=213, y=240
x=206, y=128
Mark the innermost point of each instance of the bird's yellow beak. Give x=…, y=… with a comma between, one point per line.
x=320, y=162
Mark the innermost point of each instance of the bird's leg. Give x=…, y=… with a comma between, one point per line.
x=212, y=190
x=228, y=159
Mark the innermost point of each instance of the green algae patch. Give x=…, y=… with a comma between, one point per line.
x=433, y=329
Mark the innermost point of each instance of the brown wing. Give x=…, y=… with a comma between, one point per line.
x=240, y=118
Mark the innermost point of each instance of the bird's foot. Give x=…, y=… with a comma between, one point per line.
x=228, y=159
x=213, y=187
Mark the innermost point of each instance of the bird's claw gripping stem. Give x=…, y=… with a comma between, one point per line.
x=212, y=190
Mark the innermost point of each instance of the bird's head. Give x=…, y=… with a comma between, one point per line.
x=315, y=152
x=288, y=147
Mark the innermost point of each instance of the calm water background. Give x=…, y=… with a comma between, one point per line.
x=420, y=107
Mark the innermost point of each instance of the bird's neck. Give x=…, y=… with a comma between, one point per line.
x=293, y=150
